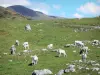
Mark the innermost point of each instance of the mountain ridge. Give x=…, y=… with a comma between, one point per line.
x=30, y=13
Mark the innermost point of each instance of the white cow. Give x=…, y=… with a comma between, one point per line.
x=28, y=27
x=17, y=43
x=84, y=56
x=13, y=49
x=42, y=72
x=61, y=51
x=79, y=43
x=50, y=46
x=26, y=45
x=34, y=59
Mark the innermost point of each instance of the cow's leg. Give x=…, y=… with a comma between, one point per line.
x=64, y=54
x=35, y=61
x=28, y=47
x=59, y=54
x=13, y=51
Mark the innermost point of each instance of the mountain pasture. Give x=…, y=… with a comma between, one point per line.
x=56, y=32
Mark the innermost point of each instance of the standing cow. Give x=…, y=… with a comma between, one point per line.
x=26, y=45
x=34, y=59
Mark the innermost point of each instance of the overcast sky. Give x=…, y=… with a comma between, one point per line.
x=63, y=8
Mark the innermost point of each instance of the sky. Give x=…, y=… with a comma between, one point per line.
x=62, y=8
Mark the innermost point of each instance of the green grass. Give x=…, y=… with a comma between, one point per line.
x=57, y=32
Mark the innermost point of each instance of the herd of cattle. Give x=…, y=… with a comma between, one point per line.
x=71, y=67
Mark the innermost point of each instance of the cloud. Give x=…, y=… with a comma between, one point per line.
x=39, y=6
x=56, y=6
x=76, y=15
x=98, y=1
x=6, y=3
x=43, y=11
x=89, y=8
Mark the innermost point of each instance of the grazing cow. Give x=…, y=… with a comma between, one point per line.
x=84, y=56
x=26, y=45
x=13, y=49
x=79, y=43
x=84, y=49
x=50, y=46
x=61, y=51
x=42, y=72
x=28, y=27
x=34, y=59
x=17, y=43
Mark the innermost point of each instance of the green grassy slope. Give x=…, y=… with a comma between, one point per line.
x=57, y=32
x=10, y=14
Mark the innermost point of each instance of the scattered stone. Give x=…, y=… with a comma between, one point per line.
x=5, y=53
x=74, y=51
x=10, y=60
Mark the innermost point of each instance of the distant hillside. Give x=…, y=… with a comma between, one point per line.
x=30, y=13
x=23, y=10
x=7, y=13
